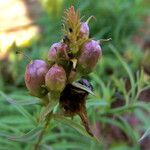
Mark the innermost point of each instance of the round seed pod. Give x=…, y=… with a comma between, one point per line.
x=88, y=58
x=55, y=79
x=56, y=53
x=35, y=77
x=84, y=30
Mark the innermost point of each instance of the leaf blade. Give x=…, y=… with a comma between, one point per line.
x=74, y=125
x=28, y=136
x=23, y=111
x=82, y=87
x=146, y=134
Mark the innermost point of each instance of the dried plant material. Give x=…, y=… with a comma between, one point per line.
x=72, y=102
x=72, y=26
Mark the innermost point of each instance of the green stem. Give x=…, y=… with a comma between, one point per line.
x=48, y=118
x=126, y=108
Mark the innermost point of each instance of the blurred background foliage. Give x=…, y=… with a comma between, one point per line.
x=119, y=114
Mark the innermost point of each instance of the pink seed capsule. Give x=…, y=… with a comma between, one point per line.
x=55, y=78
x=84, y=30
x=57, y=52
x=35, y=77
x=88, y=58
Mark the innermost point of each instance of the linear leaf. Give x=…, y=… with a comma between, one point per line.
x=18, y=107
x=146, y=134
x=74, y=125
x=80, y=86
x=126, y=67
x=97, y=103
x=49, y=108
x=28, y=136
x=29, y=101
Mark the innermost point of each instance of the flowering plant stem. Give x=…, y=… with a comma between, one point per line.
x=48, y=118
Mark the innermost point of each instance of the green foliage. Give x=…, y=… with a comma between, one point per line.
x=100, y=102
x=19, y=112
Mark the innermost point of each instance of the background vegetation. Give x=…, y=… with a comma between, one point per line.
x=119, y=113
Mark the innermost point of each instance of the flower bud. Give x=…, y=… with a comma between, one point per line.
x=88, y=58
x=57, y=53
x=84, y=30
x=35, y=77
x=55, y=79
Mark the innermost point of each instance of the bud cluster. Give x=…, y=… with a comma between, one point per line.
x=74, y=56
x=68, y=60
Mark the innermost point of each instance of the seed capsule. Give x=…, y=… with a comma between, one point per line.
x=90, y=53
x=55, y=79
x=35, y=77
x=84, y=30
x=57, y=53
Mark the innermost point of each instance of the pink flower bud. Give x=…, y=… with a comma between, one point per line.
x=88, y=58
x=56, y=52
x=84, y=30
x=55, y=78
x=35, y=77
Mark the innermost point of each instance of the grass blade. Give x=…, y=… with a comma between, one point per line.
x=82, y=87
x=28, y=136
x=74, y=125
x=146, y=134
x=126, y=67
x=18, y=107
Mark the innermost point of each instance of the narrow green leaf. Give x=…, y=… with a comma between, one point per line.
x=71, y=123
x=69, y=145
x=8, y=127
x=4, y=134
x=96, y=103
x=28, y=136
x=64, y=135
x=6, y=147
x=74, y=125
x=14, y=119
x=128, y=129
x=126, y=67
x=29, y=101
x=18, y=107
x=125, y=108
x=46, y=147
x=49, y=108
x=104, y=89
x=146, y=134
x=82, y=87
x=11, y=145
